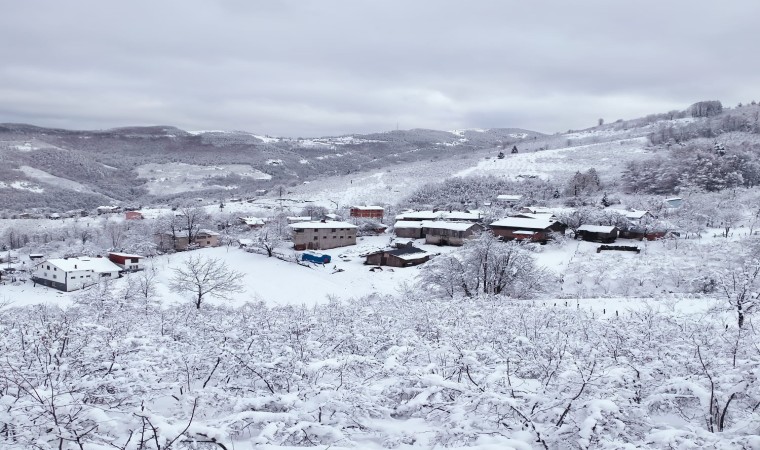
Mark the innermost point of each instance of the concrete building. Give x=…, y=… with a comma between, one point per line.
x=322, y=235
x=70, y=274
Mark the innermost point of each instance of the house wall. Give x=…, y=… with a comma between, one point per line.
x=414, y=233
x=64, y=281
x=448, y=237
x=207, y=241
x=323, y=238
x=126, y=263
x=395, y=261
x=165, y=242
x=374, y=260
x=509, y=234
x=371, y=213
x=598, y=237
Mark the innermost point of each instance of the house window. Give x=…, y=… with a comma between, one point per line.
x=48, y=267
x=73, y=278
x=316, y=238
x=334, y=230
x=208, y=242
x=106, y=274
x=299, y=230
x=54, y=277
x=341, y=237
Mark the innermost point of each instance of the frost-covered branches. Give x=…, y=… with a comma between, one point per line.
x=203, y=276
x=486, y=266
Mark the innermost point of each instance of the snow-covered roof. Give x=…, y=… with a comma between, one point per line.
x=508, y=197
x=97, y=265
x=320, y=224
x=538, y=210
x=252, y=220
x=126, y=255
x=433, y=215
x=525, y=232
x=299, y=218
x=632, y=214
x=542, y=216
x=412, y=255
x=408, y=224
x=597, y=228
x=419, y=215
x=369, y=208
x=206, y=233
x=524, y=223
x=444, y=225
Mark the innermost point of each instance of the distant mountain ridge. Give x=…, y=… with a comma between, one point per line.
x=126, y=164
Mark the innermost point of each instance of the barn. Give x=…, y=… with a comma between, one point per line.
x=442, y=232
x=597, y=233
x=402, y=256
x=536, y=228
x=372, y=212
x=408, y=229
x=126, y=261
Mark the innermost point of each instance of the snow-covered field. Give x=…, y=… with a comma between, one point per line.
x=173, y=178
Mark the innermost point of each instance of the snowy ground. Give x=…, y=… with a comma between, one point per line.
x=270, y=280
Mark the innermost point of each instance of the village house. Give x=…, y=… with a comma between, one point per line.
x=70, y=274
x=252, y=222
x=441, y=232
x=408, y=229
x=296, y=219
x=107, y=209
x=597, y=233
x=403, y=255
x=322, y=235
x=126, y=261
x=180, y=240
x=439, y=215
x=167, y=240
x=536, y=228
x=372, y=212
x=508, y=199
x=206, y=238
x=133, y=215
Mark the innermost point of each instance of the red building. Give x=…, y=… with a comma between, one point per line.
x=133, y=215
x=372, y=212
x=126, y=261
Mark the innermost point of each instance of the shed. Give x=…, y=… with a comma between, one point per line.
x=408, y=229
x=403, y=256
x=527, y=228
x=597, y=233
x=374, y=212
x=133, y=215
x=449, y=233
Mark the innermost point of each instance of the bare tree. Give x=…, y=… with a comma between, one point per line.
x=192, y=217
x=206, y=277
x=740, y=287
x=267, y=239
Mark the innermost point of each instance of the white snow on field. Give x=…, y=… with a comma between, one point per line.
x=266, y=139
x=607, y=157
x=270, y=280
x=44, y=177
x=173, y=178
x=26, y=186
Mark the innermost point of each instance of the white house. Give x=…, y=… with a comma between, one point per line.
x=70, y=274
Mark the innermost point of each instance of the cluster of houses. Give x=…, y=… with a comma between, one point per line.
x=71, y=274
x=531, y=224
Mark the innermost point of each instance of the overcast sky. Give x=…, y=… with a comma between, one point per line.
x=306, y=68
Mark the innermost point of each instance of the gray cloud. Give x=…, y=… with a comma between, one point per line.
x=300, y=68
